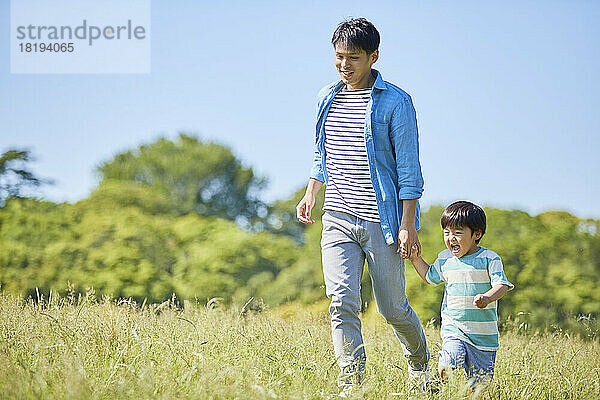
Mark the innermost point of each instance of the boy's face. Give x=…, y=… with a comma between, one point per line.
x=460, y=240
x=354, y=66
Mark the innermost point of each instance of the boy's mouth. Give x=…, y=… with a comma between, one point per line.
x=455, y=248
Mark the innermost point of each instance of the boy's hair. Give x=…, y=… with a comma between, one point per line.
x=464, y=213
x=356, y=33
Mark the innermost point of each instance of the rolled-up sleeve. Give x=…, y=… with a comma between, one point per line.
x=405, y=137
x=316, y=171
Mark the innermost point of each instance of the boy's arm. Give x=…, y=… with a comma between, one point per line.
x=420, y=266
x=495, y=293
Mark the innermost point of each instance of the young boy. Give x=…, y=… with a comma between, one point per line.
x=474, y=281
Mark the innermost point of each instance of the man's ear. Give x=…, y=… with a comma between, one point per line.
x=374, y=56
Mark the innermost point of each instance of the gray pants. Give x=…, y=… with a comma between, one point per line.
x=345, y=243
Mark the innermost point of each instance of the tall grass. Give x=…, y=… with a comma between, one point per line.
x=80, y=347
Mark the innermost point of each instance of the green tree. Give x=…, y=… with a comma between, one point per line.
x=14, y=175
x=195, y=176
x=218, y=259
x=121, y=242
x=27, y=227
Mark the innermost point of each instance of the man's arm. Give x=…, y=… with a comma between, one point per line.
x=304, y=208
x=405, y=140
x=495, y=293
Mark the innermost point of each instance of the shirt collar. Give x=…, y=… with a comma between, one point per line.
x=379, y=82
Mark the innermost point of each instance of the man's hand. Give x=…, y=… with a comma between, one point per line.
x=408, y=242
x=304, y=208
x=481, y=301
x=307, y=203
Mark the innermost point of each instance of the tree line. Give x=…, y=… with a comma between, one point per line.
x=185, y=216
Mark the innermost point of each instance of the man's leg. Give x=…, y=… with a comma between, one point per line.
x=343, y=263
x=386, y=268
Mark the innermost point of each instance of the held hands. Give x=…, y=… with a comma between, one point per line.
x=408, y=242
x=481, y=301
x=415, y=253
x=304, y=208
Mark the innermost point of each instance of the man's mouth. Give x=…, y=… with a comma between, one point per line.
x=347, y=74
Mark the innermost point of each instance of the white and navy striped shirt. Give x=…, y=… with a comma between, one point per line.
x=349, y=188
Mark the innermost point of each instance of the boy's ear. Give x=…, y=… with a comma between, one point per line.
x=478, y=234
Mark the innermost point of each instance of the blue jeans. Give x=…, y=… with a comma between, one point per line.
x=478, y=364
x=345, y=244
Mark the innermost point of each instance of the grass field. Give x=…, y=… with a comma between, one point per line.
x=83, y=348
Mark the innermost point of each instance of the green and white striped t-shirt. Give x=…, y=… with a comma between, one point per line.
x=464, y=278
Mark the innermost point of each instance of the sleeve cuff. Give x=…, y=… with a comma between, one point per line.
x=506, y=283
x=410, y=192
x=317, y=174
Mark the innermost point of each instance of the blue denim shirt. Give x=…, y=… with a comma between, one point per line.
x=392, y=142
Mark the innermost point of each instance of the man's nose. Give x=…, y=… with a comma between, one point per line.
x=344, y=62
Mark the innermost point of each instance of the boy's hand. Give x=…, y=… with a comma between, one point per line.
x=415, y=253
x=481, y=301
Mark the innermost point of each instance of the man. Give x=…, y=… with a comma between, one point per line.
x=367, y=153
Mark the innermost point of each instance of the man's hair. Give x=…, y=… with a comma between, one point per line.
x=464, y=213
x=356, y=33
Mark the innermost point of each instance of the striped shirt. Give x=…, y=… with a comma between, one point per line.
x=349, y=188
x=464, y=278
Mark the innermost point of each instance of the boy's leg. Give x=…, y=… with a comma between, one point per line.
x=386, y=268
x=343, y=263
x=452, y=355
x=479, y=364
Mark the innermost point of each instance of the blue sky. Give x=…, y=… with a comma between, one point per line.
x=506, y=95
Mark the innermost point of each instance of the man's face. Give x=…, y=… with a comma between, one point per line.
x=354, y=66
